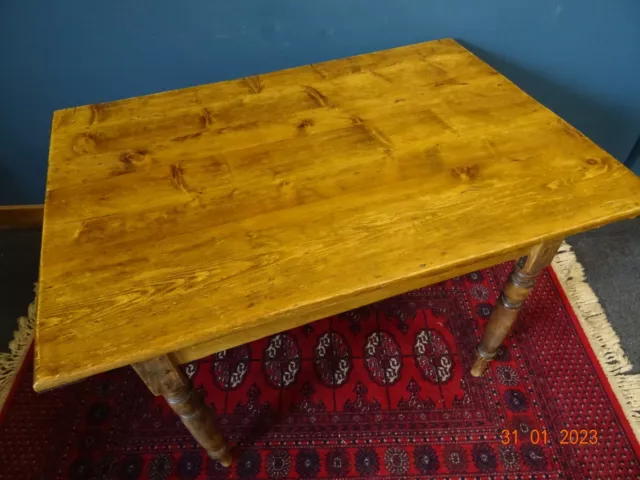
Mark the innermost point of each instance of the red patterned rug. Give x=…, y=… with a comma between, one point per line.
x=381, y=391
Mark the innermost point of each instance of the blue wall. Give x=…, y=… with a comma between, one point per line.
x=579, y=57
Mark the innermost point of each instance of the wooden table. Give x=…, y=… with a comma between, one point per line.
x=184, y=223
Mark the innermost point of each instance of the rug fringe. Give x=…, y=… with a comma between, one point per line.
x=602, y=337
x=18, y=347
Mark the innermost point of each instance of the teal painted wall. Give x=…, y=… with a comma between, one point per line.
x=579, y=57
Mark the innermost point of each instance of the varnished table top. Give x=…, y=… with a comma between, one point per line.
x=198, y=219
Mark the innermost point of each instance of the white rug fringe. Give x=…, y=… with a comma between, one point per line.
x=602, y=337
x=18, y=347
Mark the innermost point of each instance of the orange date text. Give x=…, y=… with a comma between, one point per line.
x=513, y=437
x=567, y=437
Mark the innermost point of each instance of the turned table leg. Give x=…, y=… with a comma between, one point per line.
x=163, y=377
x=516, y=291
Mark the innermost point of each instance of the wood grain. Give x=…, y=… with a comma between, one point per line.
x=210, y=215
x=358, y=299
x=163, y=377
x=21, y=216
x=516, y=291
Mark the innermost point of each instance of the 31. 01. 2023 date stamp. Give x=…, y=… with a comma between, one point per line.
x=567, y=437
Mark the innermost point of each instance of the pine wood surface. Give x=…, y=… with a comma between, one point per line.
x=194, y=220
